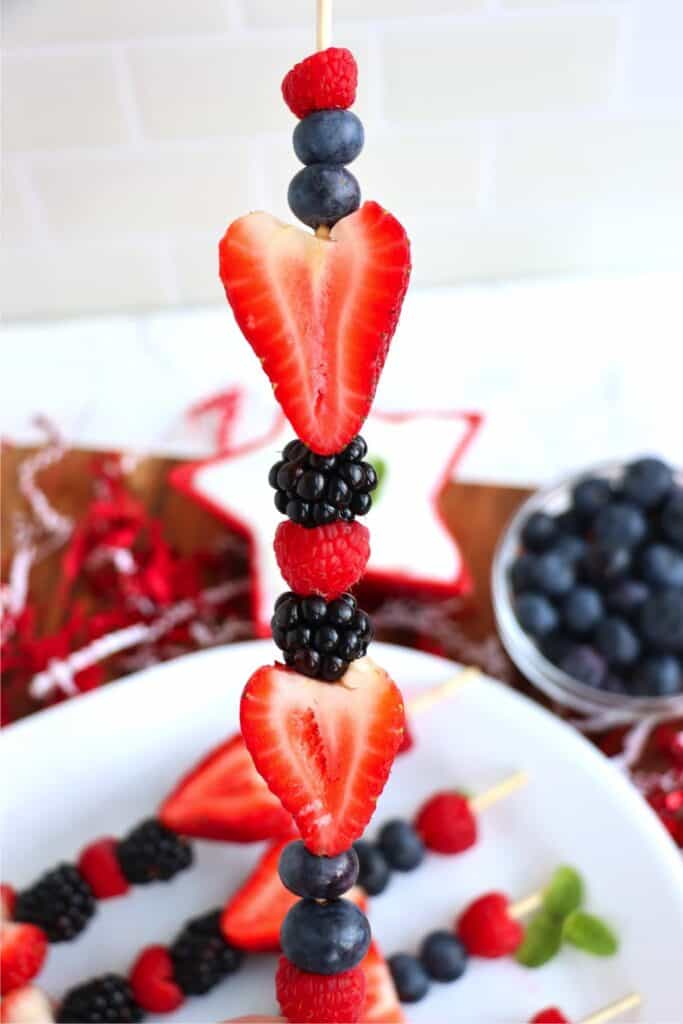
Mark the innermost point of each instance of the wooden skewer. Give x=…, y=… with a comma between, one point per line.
x=628, y=1002
x=527, y=905
x=491, y=796
x=323, y=24
x=430, y=698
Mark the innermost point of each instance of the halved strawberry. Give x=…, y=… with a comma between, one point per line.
x=319, y=313
x=382, y=1004
x=324, y=749
x=27, y=1005
x=224, y=797
x=22, y=951
x=252, y=919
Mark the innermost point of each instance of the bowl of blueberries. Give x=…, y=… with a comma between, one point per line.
x=588, y=589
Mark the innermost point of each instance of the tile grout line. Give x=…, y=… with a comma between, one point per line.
x=127, y=99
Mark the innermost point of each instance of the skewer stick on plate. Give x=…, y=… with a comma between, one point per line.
x=436, y=694
x=628, y=1002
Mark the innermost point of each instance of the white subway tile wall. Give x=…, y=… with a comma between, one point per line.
x=513, y=137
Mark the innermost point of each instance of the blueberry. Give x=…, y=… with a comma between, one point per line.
x=647, y=482
x=612, y=683
x=626, y=598
x=536, y=614
x=568, y=523
x=604, y=565
x=443, y=956
x=556, y=646
x=328, y=137
x=553, y=575
x=620, y=525
x=671, y=519
x=401, y=845
x=521, y=572
x=661, y=621
x=325, y=938
x=374, y=872
x=662, y=566
x=617, y=641
x=659, y=675
x=539, y=532
x=582, y=609
x=590, y=496
x=322, y=194
x=321, y=878
x=585, y=665
x=571, y=548
x=410, y=978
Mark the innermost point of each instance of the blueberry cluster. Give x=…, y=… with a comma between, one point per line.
x=600, y=586
x=442, y=957
x=315, y=490
x=322, y=933
x=324, y=191
x=108, y=998
x=398, y=848
x=320, y=638
x=201, y=956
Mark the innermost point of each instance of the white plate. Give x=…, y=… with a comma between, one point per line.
x=99, y=764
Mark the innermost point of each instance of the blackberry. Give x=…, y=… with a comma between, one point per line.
x=201, y=956
x=320, y=638
x=315, y=490
x=151, y=852
x=108, y=998
x=61, y=903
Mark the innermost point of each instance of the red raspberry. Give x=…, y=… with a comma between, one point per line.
x=486, y=928
x=99, y=866
x=325, y=560
x=151, y=979
x=311, y=998
x=322, y=81
x=8, y=898
x=551, y=1015
x=446, y=823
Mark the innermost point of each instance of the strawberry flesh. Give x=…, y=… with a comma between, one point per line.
x=382, y=1004
x=324, y=749
x=319, y=313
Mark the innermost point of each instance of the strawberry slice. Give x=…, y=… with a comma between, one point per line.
x=23, y=948
x=382, y=1004
x=319, y=313
x=224, y=797
x=253, y=917
x=324, y=749
x=26, y=1005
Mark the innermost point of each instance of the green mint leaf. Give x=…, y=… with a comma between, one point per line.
x=381, y=469
x=589, y=933
x=564, y=892
x=542, y=940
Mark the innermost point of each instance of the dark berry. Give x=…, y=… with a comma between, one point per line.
x=556, y=646
x=585, y=665
x=647, y=482
x=617, y=641
x=410, y=978
x=603, y=565
x=201, y=956
x=662, y=566
x=360, y=504
x=626, y=598
x=521, y=572
x=612, y=683
x=443, y=956
x=589, y=497
x=108, y=998
x=319, y=638
x=570, y=548
x=582, y=610
x=539, y=532
x=321, y=194
x=321, y=878
x=569, y=523
x=339, y=613
x=294, y=450
x=620, y=525
x=401, y=845
x=374, y=872
x=326, y=639
x=553, y=575
x=658, y=675
x=536, y=614
x=328, y=137
x=671, y=519
x=661, y=621
x=61, y=903
x=305, y=661
x=313, y=609
x=151, y=853
x=325, y=938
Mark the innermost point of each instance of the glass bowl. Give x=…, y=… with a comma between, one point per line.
x=521, y=648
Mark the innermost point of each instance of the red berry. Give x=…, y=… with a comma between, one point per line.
x=8, y=898
x=22, y=950
x=446, y=823
x=324, y=80
x=26, y=1005
x=551, y=1015
x=99, y=866
x=325, y=560
x=311, y=998
x=486, y=928
x=151, y=979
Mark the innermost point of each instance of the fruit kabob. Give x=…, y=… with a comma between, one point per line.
x=323, y=728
